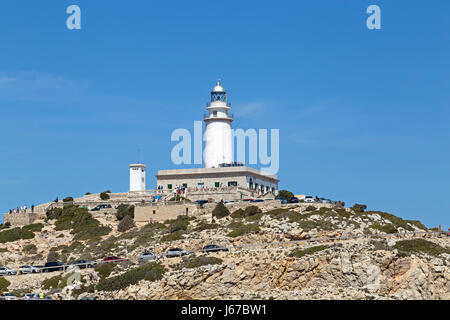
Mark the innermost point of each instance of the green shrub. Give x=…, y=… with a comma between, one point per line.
x=396, y=221
x=416, y=246
x=181, y=223
x=15, y=234
x=220, y=211
x=56, y=282
x=359, y=208
x=195, y=262
x=387, y=228
x=68, y=199
x=177, y=235
x=206, y=226
x=244, y=229
x=4, y=284
x=104, y=270
x=238, y=214
x=30, y=249
x=104, y=196
x=93, y=233
x=126, y=224
x=37, y=227
x=149, y=272
x=251, y=211
x=310, y=208
x=124, y=210
x=298, y=253
x=285, y=194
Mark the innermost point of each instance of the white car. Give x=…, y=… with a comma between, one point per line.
x=31, y=296
x=5, y=271
x=149, y=256
x=309, y=199
x=227, y=203
x=29, y=269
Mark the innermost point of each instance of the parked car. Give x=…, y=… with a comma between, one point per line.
x=29, y=269
x=114, y=259
x=53, y=266
x=5, y=271
x=282, y=200
x=101, y=206
x=247, y=200
x=176, y=252
x=323, y=200
x=294, y=200
x=8, y=296
x=309, y=199
x=213, y=248
x=149, y=256
x=83, y=264
x=256, y=200
x=230, y=202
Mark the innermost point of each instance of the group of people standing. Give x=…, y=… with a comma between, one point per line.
x=22, y=209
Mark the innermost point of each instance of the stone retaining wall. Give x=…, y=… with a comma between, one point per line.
x=20, y=219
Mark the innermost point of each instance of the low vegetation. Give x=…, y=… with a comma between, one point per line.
x=242, y=229
x=4, y=284
x=56, y=282
x=79, y=220
x=126, y=224
x=299, y=253
x=220, y=211
x=359, y=208
x=148, y=272
x=418, y=246
x=195, y=262
x=104, y=270
x=15, y=234
x=124, y=210
x=104, y=196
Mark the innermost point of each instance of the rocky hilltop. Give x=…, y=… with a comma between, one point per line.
x=299, y=251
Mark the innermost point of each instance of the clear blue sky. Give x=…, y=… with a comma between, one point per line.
x=363, y=115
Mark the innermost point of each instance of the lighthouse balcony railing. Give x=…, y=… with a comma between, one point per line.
x=212, y=116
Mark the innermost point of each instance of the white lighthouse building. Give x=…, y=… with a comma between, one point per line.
x=218, y=135
x=137, y=177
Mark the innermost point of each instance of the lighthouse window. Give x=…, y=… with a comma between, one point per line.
x=217, y=184
x=215, y=113
x=232, y=183
x=169, y=186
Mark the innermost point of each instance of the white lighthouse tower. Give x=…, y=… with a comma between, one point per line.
x=218, y=135
x=137, y=177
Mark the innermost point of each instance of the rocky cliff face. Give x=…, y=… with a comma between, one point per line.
x=269, y=258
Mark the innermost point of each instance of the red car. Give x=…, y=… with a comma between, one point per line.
x=114, y=259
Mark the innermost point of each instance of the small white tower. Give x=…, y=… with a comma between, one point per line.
x=137, y=177
x=218, y=135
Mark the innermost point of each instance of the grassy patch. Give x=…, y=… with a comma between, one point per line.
x=417, y=246
x=380, y=245
x=387, y=228
x=4, y=284
x=149, y=272
x=242, y=229
x=177, y=235
x=396, y=221
x=195, y=262
x=104, y=270
x=56, y=282
x=15, y=234
x=30, y=249
x=37, y=227
x=299, y=253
